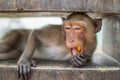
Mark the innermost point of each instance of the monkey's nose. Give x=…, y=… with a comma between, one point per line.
x=71, y=41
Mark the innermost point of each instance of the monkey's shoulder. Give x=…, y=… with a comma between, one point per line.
x=51, y=34
x=52, y=31
x=51, y=27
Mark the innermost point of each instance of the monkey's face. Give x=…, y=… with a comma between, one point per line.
x=75, y=36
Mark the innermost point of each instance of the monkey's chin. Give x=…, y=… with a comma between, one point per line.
x=74, y=52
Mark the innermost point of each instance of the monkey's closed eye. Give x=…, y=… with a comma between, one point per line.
x=67, y=27
x=76, y=27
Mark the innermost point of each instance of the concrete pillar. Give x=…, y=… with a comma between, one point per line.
x=111, y=36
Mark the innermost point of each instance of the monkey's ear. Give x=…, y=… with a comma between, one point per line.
x=97, y=24
x=63, y=18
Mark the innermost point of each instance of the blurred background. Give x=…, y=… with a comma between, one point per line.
x=7, y=24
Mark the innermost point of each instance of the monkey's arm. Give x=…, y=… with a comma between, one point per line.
x=25, y=63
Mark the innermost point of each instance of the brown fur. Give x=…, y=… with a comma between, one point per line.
x=37, y=43
x=89, y=34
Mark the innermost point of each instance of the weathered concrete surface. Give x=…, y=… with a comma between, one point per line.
x=46, y=14
x=103, y=6
x=57, y=70
x=111, y=36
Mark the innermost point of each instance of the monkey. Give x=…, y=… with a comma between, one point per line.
x=52, y=42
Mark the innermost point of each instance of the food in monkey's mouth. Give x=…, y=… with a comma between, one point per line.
x=76, y=50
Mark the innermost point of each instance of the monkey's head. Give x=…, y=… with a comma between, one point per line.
x=80, y=32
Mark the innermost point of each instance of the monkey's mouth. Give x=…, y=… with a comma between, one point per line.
x=75, y=51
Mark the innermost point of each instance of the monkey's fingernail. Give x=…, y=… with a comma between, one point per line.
x=82, y=56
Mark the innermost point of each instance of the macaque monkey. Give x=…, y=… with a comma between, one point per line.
x=75, y=40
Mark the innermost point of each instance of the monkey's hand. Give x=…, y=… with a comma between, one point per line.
x=79, y=61
x=24, y=68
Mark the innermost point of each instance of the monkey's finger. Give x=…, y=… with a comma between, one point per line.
x=25, y=77
x=78, y=62
x=28, y=72
x=22, y=75
x=81, y=59
x=74, y=63
x=82, y=56
x=18, y=70
x=33, y=63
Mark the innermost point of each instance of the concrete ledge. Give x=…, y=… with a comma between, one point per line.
x=60, y=71
x=102, y=6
